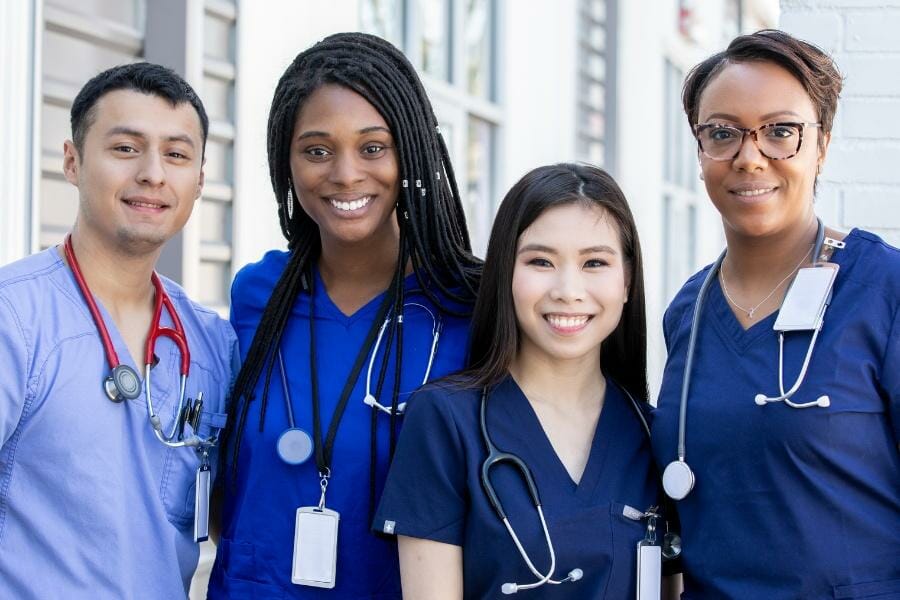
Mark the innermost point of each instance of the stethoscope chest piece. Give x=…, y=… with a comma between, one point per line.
x=122, y=384
x=678, y=480
x=671, y=546
x=294, y=446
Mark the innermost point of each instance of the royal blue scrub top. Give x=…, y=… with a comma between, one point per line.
x=255, y=553
x=791, y=503
x=434, y=492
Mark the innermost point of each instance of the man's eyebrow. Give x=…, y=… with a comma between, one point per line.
x=121, y=130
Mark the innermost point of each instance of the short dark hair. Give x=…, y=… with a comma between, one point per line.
x=143, y=77
x=813, y=67
x=495, y=332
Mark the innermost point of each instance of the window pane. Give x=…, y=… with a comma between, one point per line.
x=126, y=12
x=479, y=25
x=478, y=203
x=433, y=31
x=383, y=18
x=213, y=288
x=217, y=38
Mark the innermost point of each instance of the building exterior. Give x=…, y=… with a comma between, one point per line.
x=597, y=81
x=515, y=84
x=860, y=184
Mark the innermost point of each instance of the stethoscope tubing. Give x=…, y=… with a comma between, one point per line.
x=689, y=359
x=175, y=333
x=692, y=343
x=496, y=456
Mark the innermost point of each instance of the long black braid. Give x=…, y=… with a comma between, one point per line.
x=433, y=234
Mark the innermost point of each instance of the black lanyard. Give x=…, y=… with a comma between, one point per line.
x=324, y=451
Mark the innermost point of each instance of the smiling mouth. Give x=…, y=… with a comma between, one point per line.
x=753, y=193
x=144, y=204
x=350, y=205
x=567, y=323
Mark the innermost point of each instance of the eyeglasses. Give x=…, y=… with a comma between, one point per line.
x=775, y=141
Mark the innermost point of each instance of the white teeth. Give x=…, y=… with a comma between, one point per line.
x=759, y=192
x=143, y=204
x=559, y=322
x=352, y=205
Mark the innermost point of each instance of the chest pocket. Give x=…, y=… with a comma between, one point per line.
x=177, y=485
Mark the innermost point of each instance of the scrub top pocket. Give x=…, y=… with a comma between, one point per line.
x=626, y=533
x=883, y=590
x=180, y=467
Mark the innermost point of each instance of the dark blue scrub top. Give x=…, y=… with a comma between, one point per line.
x=791, y=503
x=434, y=492
x=255, y=552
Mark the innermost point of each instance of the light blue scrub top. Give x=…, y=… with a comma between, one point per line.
x=791, y=503
x=92, y=505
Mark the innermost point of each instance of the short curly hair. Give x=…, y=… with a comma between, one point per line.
x=813, y=67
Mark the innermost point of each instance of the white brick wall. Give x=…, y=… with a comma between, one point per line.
x=860, y=184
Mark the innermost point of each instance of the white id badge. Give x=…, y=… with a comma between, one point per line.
x=806, y=299
x=201, y=504
x=649, y=571
x=315, y=547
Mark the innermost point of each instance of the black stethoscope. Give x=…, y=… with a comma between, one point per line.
x=123, y=382
x=294, y=446
x=678, y=477
x=671, y=541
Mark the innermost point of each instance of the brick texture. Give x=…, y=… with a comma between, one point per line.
x=860, y=184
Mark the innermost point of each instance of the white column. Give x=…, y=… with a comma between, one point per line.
x=18, y=30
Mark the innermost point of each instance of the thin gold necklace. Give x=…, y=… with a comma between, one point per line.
x=752, y=310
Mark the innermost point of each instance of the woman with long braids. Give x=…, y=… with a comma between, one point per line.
x=366, y=305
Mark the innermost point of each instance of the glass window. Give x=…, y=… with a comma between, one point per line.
x=126, y=12
x=594, y=131
x=479, y=59
x=218, y=38
x=680, y=246
x=432, y=26
x=478, y=202
x=383, y=18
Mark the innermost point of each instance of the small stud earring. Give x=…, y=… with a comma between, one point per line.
x=700, y=176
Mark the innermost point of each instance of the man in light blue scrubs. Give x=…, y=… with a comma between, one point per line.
x=92, y=503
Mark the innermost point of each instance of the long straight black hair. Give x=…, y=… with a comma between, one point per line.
x=495, y=332
x=433, y=233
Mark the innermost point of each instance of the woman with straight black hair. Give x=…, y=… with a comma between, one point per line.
x=557, y=379
x=363, y=308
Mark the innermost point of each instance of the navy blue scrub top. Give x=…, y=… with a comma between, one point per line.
x=255, y=552
x=791, y=503
x=434, y=492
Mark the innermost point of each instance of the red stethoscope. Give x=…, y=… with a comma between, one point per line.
x=123, y=382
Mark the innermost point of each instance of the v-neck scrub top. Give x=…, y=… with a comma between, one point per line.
x=791, y=503
x=255, y=552
x=92, y=505
x=434, y=492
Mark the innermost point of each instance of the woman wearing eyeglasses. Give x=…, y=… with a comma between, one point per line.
x=786, y=491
